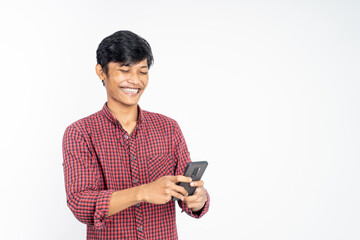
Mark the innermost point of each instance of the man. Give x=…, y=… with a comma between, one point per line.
x=122, y=164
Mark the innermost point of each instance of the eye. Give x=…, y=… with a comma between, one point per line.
x=124, y=71
x=144, y=73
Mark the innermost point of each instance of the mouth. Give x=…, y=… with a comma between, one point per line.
x=130, y=91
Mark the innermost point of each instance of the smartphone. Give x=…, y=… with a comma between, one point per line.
x=195, y=170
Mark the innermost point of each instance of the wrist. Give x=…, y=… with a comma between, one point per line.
x=141, y=193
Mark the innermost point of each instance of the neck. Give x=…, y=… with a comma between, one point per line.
x=126, y=115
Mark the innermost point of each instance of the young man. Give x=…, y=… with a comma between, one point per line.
x=122, y=164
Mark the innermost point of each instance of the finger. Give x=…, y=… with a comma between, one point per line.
x=191, y=199
x=199, y=183
x=195, y=205
x=177, y=195
x=200, y=190
x=180, y=178
x=181, y=190
x=199, y=195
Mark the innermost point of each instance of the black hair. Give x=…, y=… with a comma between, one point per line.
x=124, y=47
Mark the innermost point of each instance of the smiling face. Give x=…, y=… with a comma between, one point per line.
x=124, y=83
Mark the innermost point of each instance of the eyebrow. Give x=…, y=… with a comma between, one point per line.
x=129, y=65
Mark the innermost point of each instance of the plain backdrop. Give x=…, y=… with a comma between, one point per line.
x=266, y=91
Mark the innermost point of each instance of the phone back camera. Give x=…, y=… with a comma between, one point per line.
x=195, y=172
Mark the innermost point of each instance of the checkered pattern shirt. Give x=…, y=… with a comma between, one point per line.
x=100, y=157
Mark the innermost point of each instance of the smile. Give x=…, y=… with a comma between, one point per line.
x=131, y=91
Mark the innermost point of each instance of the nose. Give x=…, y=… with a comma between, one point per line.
x=134, y=78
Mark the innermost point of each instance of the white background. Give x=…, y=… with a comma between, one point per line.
x=266, y=91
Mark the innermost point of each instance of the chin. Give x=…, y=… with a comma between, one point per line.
x=125, y=101
x=129, y=104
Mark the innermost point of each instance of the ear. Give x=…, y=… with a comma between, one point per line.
x=100, y=72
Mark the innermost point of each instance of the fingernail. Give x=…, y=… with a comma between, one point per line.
x=192, y=184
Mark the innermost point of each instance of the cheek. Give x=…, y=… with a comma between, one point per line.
x=115, y=82
x=145, y=81
x=112, y=86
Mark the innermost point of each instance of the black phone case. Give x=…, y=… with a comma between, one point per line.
x=195, y=170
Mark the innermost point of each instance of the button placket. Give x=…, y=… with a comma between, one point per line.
x=135, y=175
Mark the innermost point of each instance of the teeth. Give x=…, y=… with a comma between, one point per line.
x=130, y=90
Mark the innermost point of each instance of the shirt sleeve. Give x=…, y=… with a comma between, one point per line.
x=182, y=158
x=86, y=196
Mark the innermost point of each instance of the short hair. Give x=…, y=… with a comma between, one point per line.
x=124, y=47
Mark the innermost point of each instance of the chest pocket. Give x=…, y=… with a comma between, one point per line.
x=160, y=165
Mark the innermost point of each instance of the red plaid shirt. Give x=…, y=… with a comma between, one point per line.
x=100, y=158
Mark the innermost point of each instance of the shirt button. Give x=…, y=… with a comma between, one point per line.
x=138, y=204
x=133, y=157
x=140, y=229
x=126, y=136
x=136, y=181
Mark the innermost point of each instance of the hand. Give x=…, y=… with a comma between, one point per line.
x=197, y=201
x=163, y=189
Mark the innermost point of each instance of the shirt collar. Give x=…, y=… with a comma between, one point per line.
x=106, y=112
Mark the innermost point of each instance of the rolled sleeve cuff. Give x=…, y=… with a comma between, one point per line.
x=200, y=213
x=102, y=208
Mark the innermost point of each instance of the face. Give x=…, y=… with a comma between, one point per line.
x=124, y=84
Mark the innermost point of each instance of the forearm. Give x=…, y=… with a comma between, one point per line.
x=123, y=199
x=94, y=207
x=159, y=191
